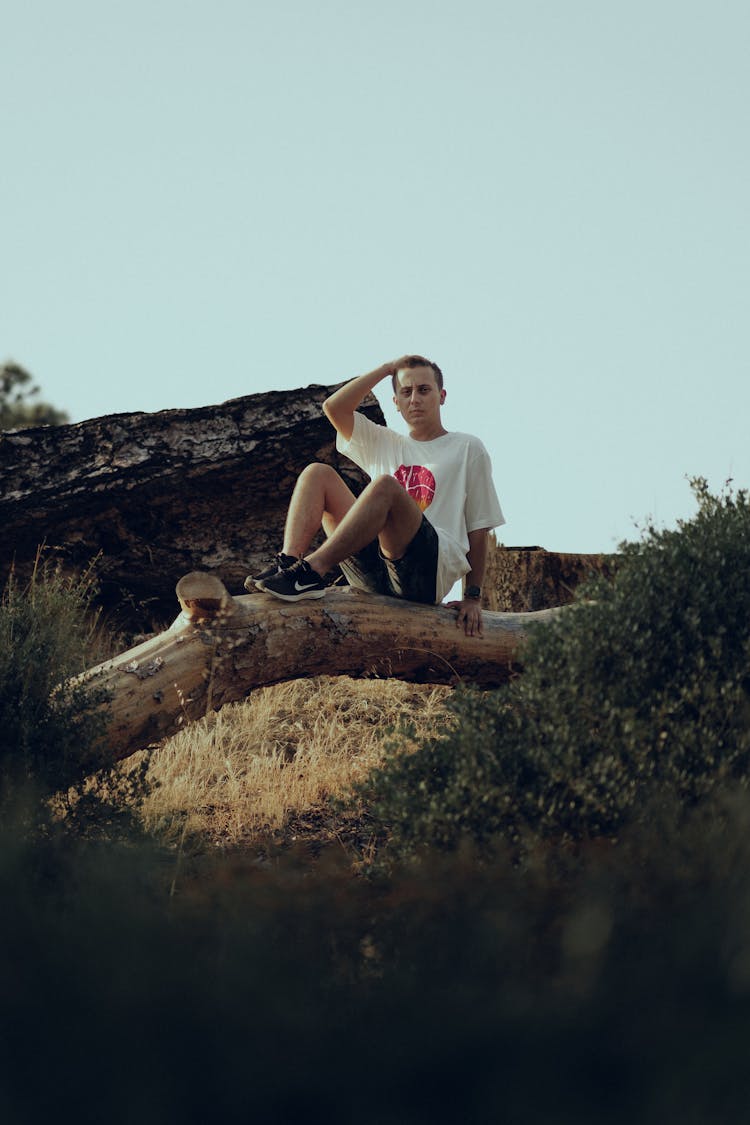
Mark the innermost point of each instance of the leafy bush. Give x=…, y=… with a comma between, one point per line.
x=638, y=694
x=50, y=726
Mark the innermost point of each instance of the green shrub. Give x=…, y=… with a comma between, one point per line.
x=639, y=694
x=50, y=727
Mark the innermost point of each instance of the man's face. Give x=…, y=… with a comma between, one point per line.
x=419, y=399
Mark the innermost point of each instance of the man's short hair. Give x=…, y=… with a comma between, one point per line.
x=417, y=361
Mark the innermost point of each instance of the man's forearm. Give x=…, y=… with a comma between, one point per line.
x=469, y=614
x=477, y=557
x=340, y=406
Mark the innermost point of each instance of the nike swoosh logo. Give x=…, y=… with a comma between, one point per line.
x=298, y=589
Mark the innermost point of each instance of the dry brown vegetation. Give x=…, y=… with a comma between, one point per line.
x=265, y=767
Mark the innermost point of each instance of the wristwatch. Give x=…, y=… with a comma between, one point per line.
x=473, y=592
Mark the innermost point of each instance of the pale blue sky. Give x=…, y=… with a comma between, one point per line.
x=550, y=198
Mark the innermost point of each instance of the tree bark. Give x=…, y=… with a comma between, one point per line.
x=221, y=647
x=153, y=496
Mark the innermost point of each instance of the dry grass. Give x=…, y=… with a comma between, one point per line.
x=249, y=770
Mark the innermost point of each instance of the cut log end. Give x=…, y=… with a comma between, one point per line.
x=203, y=596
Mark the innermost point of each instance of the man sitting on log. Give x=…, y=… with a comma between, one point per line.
x=421, y=523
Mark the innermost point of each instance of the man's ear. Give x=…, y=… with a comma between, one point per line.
x=442, y=396
x=395, y=403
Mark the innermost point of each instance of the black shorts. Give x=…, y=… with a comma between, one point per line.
x=413, y=576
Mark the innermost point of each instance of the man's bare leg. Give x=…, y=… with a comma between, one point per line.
x=320, y=499
x=383, y=511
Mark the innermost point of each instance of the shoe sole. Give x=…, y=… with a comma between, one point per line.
x=307, y=594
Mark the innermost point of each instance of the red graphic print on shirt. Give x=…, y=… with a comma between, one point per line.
x=418, y=482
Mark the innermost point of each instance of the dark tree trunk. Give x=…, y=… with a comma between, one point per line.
x=156, y=495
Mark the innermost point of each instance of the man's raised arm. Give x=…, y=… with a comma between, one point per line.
x=339, y=408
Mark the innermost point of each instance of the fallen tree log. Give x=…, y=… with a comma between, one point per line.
x=221, y=647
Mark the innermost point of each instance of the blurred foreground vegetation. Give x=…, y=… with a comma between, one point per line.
x=553, y=926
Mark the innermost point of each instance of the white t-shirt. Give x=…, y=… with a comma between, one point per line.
x=450, y=478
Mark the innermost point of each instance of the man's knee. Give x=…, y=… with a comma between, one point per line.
x=385, y=484
x=389, y=489
x=318, y=471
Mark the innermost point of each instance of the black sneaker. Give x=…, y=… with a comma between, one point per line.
x=255, y=581
x=295, y=583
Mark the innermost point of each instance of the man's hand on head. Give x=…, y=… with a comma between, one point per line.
x=469, y=616
x=395, y=365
